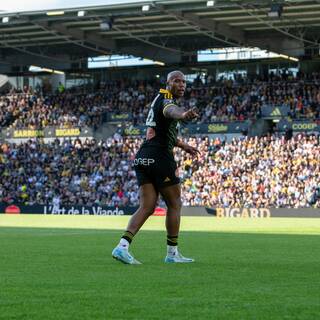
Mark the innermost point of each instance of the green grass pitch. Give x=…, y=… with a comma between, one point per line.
x=60, y=267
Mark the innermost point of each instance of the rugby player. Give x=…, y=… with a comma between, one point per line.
x=156, y=169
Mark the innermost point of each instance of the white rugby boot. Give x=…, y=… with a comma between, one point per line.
x=124, y=256
x=177, y=257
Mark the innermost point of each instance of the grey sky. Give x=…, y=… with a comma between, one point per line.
x=32, y=5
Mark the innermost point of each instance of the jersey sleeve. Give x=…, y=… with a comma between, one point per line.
x=168, y=103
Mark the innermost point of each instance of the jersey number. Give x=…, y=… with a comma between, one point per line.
x=150, y=122
x=150, y=118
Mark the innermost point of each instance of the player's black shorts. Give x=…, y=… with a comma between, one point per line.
x=157, y=166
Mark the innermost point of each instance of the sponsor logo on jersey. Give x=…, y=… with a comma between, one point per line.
x=143, y=161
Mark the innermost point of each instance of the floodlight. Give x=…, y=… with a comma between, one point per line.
x=210, y=3
x=81, y=13
x=5, y=19
x=146, y=7
x=55, y=13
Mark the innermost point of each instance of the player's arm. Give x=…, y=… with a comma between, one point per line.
x=172, y=111
x=187, y=148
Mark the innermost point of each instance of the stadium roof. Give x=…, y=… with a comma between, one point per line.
x=168, y=31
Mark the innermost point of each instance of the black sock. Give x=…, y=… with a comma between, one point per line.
x=128, y=236
x=172, y=240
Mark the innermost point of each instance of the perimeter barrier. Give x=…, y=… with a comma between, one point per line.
x=97, y=210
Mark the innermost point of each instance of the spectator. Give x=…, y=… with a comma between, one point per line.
x=246, y=172
x=219, y=101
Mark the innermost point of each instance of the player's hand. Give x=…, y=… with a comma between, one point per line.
x=190, y=114
x=193, y=151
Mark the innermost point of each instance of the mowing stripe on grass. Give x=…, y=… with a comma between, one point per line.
x=270, y=225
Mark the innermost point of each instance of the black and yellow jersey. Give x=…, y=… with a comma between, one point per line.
x=166, y=129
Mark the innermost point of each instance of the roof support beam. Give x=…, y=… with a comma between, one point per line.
x=25, y=58
x=149, y=49
x=216, y=30
x=287, y=46
x=88, y=40
x=217, y=27
x=153, y=53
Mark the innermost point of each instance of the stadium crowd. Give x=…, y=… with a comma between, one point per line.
x=223, y=100
x=246, y=172
x=29, y=109
x=254, y=172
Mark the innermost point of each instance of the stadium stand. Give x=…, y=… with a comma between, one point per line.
x=224, y=100
x=246, y=172
x=29, y=109
x=264, y=171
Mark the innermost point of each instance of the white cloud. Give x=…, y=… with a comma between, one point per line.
x=33, y=5
x=22, y=5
